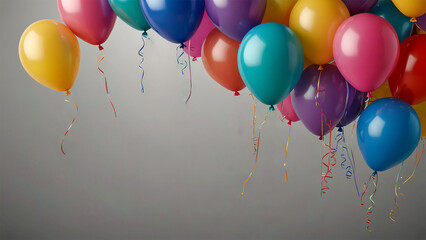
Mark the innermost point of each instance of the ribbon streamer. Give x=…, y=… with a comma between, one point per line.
x=395, y=197
x=286, y=150
x=417, y=159
x=330, y=155
x=375, y=179
x=104, y=77
x=140, y=52
x=350, y=170
x=72, y=123
x=183, y=64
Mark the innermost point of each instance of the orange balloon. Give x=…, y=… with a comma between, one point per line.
x=382, y=92
x=278, y=11
x=219, y=55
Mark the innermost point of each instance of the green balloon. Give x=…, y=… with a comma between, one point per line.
x=130, y=11
x=270, y=61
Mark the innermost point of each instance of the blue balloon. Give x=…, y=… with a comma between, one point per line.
x=175, y=20
x=130, y=12
x=401, y=23
x=388, y=132
x=270, y=61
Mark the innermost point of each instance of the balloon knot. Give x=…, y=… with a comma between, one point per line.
x=369, y=95
x=194, y=59
x=289, y=123
x=320, y=68
x=100, y=47
x=374, y=173
x=68, y=92
x=182, y=46
x=145, y=34
x=413, y=20
x=236, y=94
x=321, y=138
x=340, y=129
x=271, y=108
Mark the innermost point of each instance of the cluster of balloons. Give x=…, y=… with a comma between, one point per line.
x=317, y=60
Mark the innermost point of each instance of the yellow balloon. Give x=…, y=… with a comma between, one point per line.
x=411, y=8
x=382, y=92
x=50, y=53
x=315, y=22
x=421, y=111
x=306, y=64
x=278, y=11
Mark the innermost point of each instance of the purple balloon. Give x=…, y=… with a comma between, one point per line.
x=359, y=6
x=235, y=18
x=421, y=22
x=330, y=99
x=356, y=103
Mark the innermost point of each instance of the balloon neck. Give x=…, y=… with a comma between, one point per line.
x=413, y=20
x=340, y=129
x=182, y=45
x=321, y=138
x=194, y=59
x=289, y=123
x=67, y=92
x=320, y=68
x=271, y=108
x=369, y=95
x=236, y=94
x=145, y=34
x=374, y=173
x=100, y=47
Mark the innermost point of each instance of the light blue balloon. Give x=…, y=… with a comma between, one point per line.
x=130, y=12
x=270, y=61
x=388, y=132
x=401, y=23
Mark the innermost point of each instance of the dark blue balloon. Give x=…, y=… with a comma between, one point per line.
x=356, y=103
x=388, y=132
x=401, y=23
x=175, y=20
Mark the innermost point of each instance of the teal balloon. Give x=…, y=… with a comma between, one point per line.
x=270, y=62
x=401, y=23
x=388, y=132
x=130, y=12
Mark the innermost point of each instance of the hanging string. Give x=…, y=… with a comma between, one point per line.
x=183, y=64
x=140, y=52
x=352, y=155
x=72, y=123
x=330, y=155
x=253, y=145
x=100, y=48
x=286, y=151
x=256, y=151
x=395, y=197
x=417, y=159
x=374, y=178
x=190, y=76
x=350, y=170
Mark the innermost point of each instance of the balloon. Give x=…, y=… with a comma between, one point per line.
x=287, y=110
x=278, y=11
x=270, y=61
x=408, y=81
x=330, y=99
x=196, y=42
x=401, y=23
x=388, y=131
x=421, y=22
x=354, y=107
x=316, y=22
x=421, y=112
x=91, y=21
x=359, y=6
x=411, y=8
x=306, y=64
x=382, y=92
x=366, y=50
x=235, y=18
x=50, y=54
x=130, y=12
x=220, y=60
x=176, y=21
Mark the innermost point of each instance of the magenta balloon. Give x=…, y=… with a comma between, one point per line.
x=196, y=42
x=287, y=110
x=90, y=20
x=366, y=51
x=330, y=99
x=421, y=22
x=236, y=17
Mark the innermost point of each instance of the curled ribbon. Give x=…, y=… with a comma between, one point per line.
x=374, y=178
x=140, y=53
x=104, y=77
x=184, y=64
x=395, y=197
x=69, y=128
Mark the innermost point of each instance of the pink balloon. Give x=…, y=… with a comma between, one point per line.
x=287, y=110
x=366, y=51
x=196, y=42
x=90, y=20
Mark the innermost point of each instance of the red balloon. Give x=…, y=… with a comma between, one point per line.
x=287, y=110
x=408, y=81
x=219, y=56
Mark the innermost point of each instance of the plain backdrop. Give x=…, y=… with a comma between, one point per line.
x=163, y=169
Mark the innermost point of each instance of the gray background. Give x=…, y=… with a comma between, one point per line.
x=163, y=169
